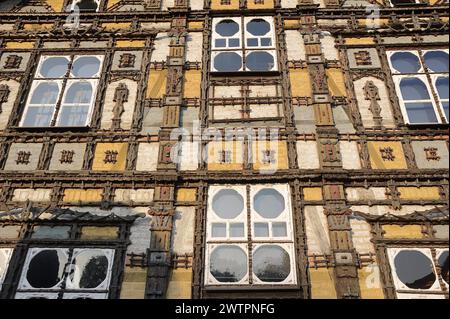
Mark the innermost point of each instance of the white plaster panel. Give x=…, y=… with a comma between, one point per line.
x=295, y=45
x=350, y=155
x=316, y=230
x=183, y=230
x=162, y=48
x=108, y=108
x=33, y=195
x=194, y=47
x=308, y=156
x=147, y=158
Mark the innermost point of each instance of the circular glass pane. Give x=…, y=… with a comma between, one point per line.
x=258, y=27
x=228, y=263
x=260, y=61
x=87, y=5
x=405, y=62
x=86, y=67
x=54, y=67
x=91, y=269
x=436, y=61
x=46, y=268
x=80, y=92
x=442, y=87
x=269, y=203
x=414, y=269
x=228, y=204
x=443, y=263
x=227, y=28
x=271, y=263
x=227, y=62
x=414, y=89
x=45, y=93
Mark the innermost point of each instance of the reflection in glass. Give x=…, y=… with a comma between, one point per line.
x=436, y=61
x=421, y=112
x=57, y=232
x=79, y=92
x=279, y=229
x=219, y=230
x=237, y=230
x=227, y=62
x=54, y=67
x=271, y=263
x=46, y=268
x=260, y=61
x=442, y=87
x=227, y=203
x=261, y=229
x=45, y=93
x=414, y=89
x=85, y=67
x=443, y=263
x=269, y=203
x=228, y=263
x=414, y=269
x=38, y=116
x=91, y=269
x=73, y=115
x=405, y=62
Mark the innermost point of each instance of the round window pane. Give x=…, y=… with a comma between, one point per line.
x=46, y=268
x=258, y=27
x=414, y=269
x=45, y=93
x=405, y=62
x=442, y=87
x=260, y=61
x=54, y=67
x=443, y=263
x=91, y=269
x=436, y=61
x=227, y=62
x=228, y=204
x=79, y=93
x=414, y=89
x=87, y=5
x=271, y=263
x=228, y=263
x=227, y=28
x=269, y=203
x=86, y=67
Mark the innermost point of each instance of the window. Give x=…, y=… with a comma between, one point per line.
x=85, y=5
x=419, y=77
x=238, y=50
x=263, y=257
x=5, y=255
x=63, y=91
x=415, y=272
x=398, y=3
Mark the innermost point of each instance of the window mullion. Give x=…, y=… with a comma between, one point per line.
x=249, y=236
x=61, y=94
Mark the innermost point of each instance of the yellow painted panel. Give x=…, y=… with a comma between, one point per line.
x=236, y=150
x=336, y=82
x=373, y=22
x=37, y=27
x=267, y=4
x=399, y=231
x=100, y=153
x=186, y=194
x=215, y=5
x=192, y=83
x=281, y=156
x=19, y=45
x=91, y=232
x=83, y=195
x=116, y=25
x=157, y=84
x=376, y=160
x=290, y=23
x=134, y=282
x=322, y=283
x=369, y=283
x=300, y=82
x=56, y=5
x=130, y=44
x=195, y=25
x=433, y=2
x=112, y=2
x=180, y=284
x=312, y=193
x=428, y=192
x=365, y=40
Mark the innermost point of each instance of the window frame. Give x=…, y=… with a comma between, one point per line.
x=71, y=6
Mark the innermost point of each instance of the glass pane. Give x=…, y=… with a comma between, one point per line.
x=227, y=28
x=443, y=263
x=87, y=5
x=45, y=93
x=414, y=89
x=234, y=43
x=436, y=61
x=260, y=61
x=86, y=67
x=237, y=230
x=269, y=203
x=38, y=116
x=219, y=230
x=227, y=62
x=228, y=263
x=442, y=87
x=421, y=112
x=445, y=107
x=252, y=42
x=279, y=230
x=261, y=229
x=414, y=269
x=405, y=62
x=73, y=115
x=258, y=27
x=271, y=263
x=46, y=268
x=79, y=92
x=266, y=42
x=228, y=204
x=221, y=43
x=55, y=67
x=57, y=232
x=91, y=269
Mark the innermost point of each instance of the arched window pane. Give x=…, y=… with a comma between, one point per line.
x=405, y=62
x=442, y=87
x=260, y=61
x=227, y=28
x=80, y=92
x=86, y=67
x=414, y=89
x=54, y=67
x=421, y=112
x=45, y=93
x=437, y=61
